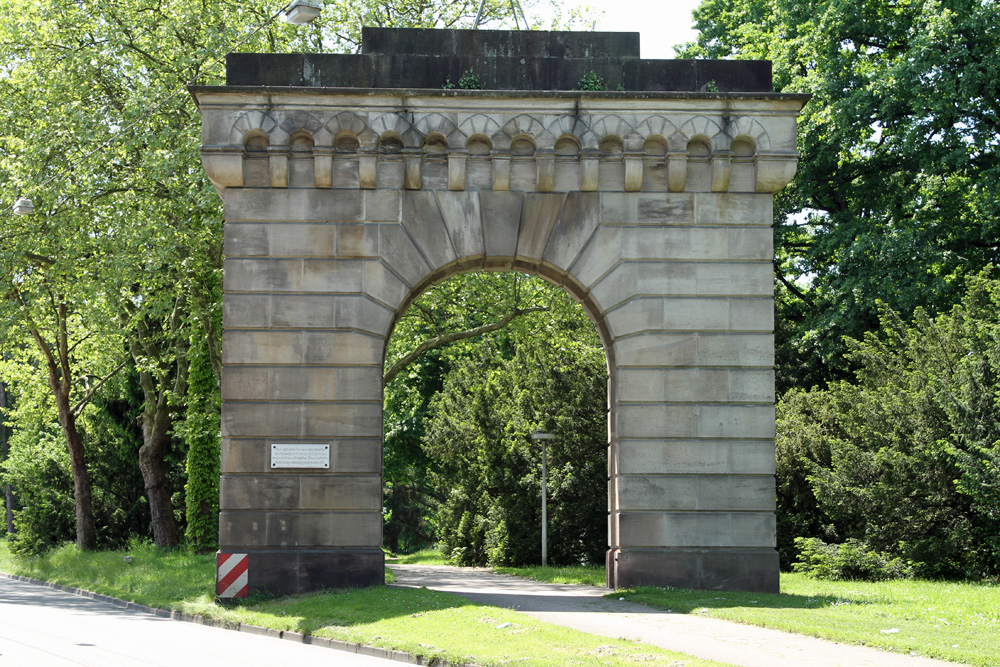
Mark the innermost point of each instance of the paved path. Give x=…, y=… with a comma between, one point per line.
x=584, y=608
x=42, y=627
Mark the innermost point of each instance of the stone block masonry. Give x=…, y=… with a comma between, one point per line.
x=353, y=183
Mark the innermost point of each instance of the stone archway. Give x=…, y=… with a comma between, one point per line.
x=653, y=209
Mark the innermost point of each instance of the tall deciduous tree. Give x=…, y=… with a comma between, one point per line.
x=98, y=130
x=895, y=198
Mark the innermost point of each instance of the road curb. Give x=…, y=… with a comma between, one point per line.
x=335, y=644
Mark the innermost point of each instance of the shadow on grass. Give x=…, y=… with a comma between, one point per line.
x=311, y=612
x=686, y=601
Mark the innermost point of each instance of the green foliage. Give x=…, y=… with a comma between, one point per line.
x=489, y=469
x=40, y=473
x=852, y=560
x=201, y=432
x=894, y=199
x=905, y=459
x=468, y=81
x=591, y=81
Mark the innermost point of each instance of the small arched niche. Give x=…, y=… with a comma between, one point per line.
x=567, y=171
x=742, y=177
x=523, y=175
x=611, y=169
x=256, y=164
x=479, y=168
x=434, y=171
x=301, y=166
x=389, y=173
x=654, y=164
x=345, y=160
x=699, y=166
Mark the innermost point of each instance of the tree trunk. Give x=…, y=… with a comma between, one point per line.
x=152, y=455
x=86, y=529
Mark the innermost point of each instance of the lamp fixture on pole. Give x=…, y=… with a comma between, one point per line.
x=302, y=11
x=541, y=435
x=23, y=206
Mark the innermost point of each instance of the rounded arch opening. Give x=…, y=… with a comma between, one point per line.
x=522, y=146
x=301, y=142
x=699, y=147
x=467, y=412
x=611, y=146
x=567, y=146
x=655, y=147
x=390, y=144
x=743, y=147
x=435, y=144
x=346, y=142
x=479, y=145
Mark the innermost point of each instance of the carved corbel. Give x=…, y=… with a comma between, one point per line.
x=545, y=164
x=773, y=172
x=366, y=168
x=722, y=168
x=677, y=171
x=323, y=166
x=456, y=170
x=501, y=170
x=633, y=171
x=224, y=166
x=589, y=169
x=278, y=160
x=412, y=158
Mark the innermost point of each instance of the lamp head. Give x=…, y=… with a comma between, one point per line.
x=23, y=206
x=303, y=11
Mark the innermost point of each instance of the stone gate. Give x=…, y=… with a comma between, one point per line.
x=354, y=182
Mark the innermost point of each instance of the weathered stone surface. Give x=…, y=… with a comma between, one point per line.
x=463, y=218
x=696, y=492
x=697, y=529
x=309, y=529
x=706, y=569
x=688, y=457
x=501, y=222
x=282, y=491
x=251, y=455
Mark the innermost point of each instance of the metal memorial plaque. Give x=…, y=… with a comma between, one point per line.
x=300, y=456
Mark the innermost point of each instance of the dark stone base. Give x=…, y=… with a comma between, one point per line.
x=290, y=572
x=753, y=570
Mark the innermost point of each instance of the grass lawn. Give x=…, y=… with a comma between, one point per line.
x=422, y=622
x=591, y=575
x=945, y=620
x=425, y=557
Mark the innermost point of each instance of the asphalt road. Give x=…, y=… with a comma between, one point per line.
x=584, y=608
x=42, y=627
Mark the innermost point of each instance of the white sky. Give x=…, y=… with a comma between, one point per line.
x=661, y=23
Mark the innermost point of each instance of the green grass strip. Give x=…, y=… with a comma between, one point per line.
x=426, y=623
x=952, y=621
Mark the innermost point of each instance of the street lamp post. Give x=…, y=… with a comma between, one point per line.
x=540, y=435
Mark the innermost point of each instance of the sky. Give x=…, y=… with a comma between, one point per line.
x=660, y=23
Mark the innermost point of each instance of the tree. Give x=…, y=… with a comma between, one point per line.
x=905, y=459
x=134, y=235
x=545, y=371
x=894, y=199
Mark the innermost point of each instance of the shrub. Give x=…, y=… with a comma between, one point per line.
x=852, y=560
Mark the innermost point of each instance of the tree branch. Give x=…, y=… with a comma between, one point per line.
x=445, y=339
x=82, y=403
x=790, y=286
